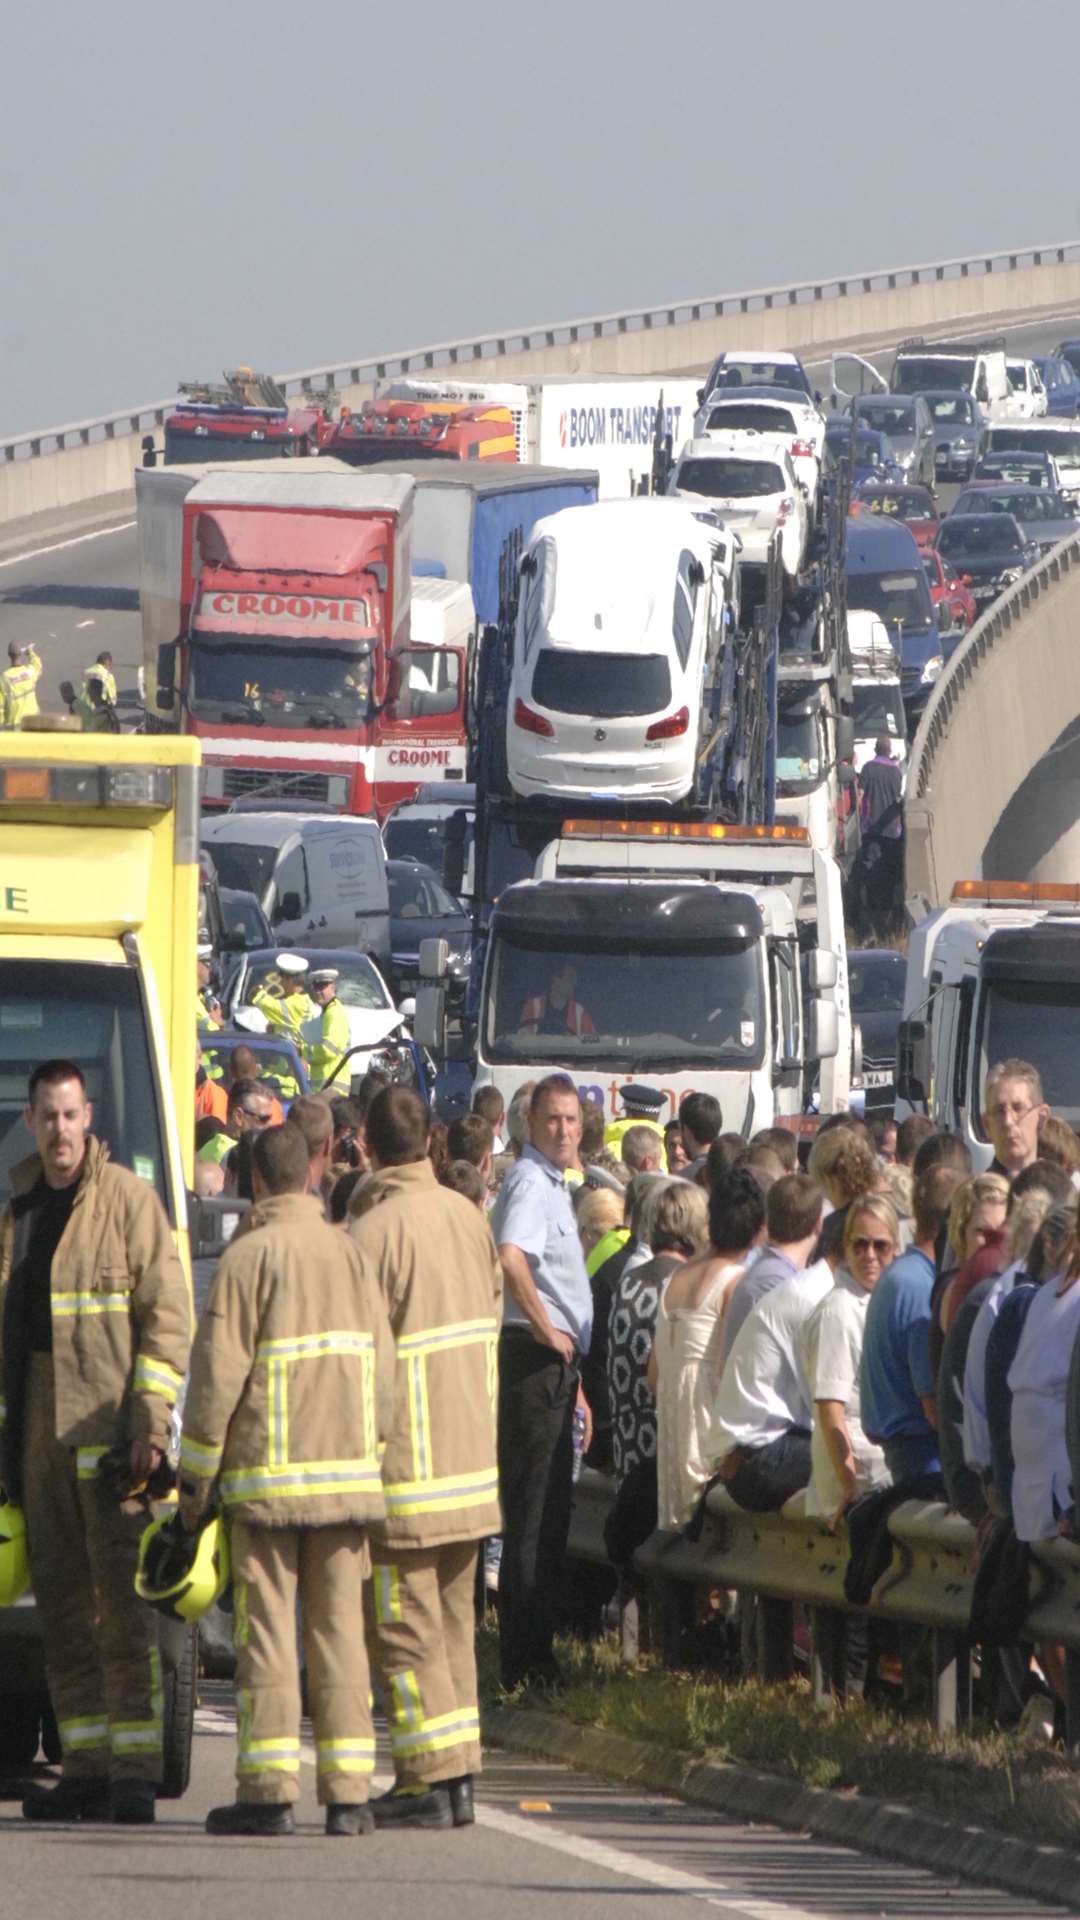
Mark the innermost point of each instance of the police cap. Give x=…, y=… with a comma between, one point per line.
x=646, y=1101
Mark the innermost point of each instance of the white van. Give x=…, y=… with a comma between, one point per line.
x=1059, y=438
x=875, y=675
x=620, y=617
x=319, y=878
x=976, y=367
x=1028, y=392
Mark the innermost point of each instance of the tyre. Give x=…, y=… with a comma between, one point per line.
x=20, y=1729
x=181, y=1686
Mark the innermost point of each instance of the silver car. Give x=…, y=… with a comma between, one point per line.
x=905, y=419
x=959, y=433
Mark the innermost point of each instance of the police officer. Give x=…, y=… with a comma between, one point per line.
x=642, y=1107
x=208, y=1012
x=328, y=1036
x=287, y=1011
x=18, y=685
x=96, y=1320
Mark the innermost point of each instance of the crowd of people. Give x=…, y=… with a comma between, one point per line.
x=418, y=1333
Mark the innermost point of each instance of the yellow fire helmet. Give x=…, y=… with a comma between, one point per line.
x=14, y=1558
x=181, y=1573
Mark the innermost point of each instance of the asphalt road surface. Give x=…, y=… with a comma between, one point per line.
x=547, y=1843
x=74, y=596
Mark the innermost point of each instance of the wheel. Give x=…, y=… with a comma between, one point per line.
x=181, y=1686
x=20, y=1728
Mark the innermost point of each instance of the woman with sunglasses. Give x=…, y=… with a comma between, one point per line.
x=844, y=1463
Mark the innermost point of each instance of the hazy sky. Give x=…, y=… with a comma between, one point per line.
x=188, y=186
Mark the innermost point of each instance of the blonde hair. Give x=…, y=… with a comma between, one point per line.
x=679, y=1222
x=598, y=1211
x=984, y=1189
x=901, y=1186
x=842, y=1164
x=880, y=1209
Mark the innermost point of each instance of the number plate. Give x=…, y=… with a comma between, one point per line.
x=878, y=1077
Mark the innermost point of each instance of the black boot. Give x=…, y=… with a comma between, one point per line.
x=461, y=1800
x=133, y=1803
x=262, y=1819
x=70, y=1800
x=350, y=1820
x=430, y=1807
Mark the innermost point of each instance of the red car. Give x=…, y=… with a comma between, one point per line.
x=914, y=506
x=947, y=591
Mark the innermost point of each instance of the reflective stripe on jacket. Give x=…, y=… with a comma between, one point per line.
x=440, y=1277
x=121, y=1308
x=291, y=1376
x=18, y=690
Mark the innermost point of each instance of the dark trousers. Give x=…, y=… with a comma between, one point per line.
x=537, y=1395
x=908, y=1455
x=769, y=1475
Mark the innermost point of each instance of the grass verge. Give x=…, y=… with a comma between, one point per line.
x=988, y=1779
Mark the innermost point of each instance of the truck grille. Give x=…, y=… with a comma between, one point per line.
x=275, y=784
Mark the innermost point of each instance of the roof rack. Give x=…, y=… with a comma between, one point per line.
x=993, y=343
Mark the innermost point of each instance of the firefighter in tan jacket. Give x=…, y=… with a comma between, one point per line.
x=289, y=1400
x=96, y=1318
x=436, y=1264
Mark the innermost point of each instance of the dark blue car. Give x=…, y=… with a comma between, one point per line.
x=886, y=576
x=873, y=453
x=1062, y=383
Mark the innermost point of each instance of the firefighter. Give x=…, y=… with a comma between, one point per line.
x=18, y=685
x=437, y=1268
x=288, y=1010
x=328, y=1036
x=289, y=1398
x=208, y=1012
x=96, y=1318
x=642, y=1107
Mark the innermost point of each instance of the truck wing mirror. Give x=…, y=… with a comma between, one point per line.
x=824, y=1030
x=166, y=674
x=823, y=970
x=429, y=1020
x=212, y=1221
x=434, y=958
x=913, y=1061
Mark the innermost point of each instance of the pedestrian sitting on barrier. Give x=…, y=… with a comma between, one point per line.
x=793, y=1211
x=684, y=1369
x=762, y=1415
x=844, y=1462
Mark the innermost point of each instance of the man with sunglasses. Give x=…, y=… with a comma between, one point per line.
x=251, y=1105
x=1014, y=1114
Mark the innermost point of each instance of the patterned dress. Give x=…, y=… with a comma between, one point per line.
x=634, y=1308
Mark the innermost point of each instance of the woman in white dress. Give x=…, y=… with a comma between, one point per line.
x=684, y=1369
x=844, y=1463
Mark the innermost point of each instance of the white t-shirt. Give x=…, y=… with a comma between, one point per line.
x=763, y=1388
x=832, y=1349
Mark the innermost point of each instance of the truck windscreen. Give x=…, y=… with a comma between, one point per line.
x=1037, y=1021
x=640, y=1011
x=914, y=375
x=94, y=1016
x=246, y=683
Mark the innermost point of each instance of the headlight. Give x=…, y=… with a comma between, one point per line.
x=961, y=446
x=931, y=670
x=1010, y=576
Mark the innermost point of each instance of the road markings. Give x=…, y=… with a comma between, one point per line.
x=593, y=1853
x=38, y=553
x=83, y=623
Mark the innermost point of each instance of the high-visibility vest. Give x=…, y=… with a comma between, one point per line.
x=207, y=1014
x=216, y=1148
x=106, y=681
x=578, y=1021
x=326, y=1038
x=286, y=1013
x=18, y=695
x=615, y=1129
x=211, y=1098
x=608, y=1245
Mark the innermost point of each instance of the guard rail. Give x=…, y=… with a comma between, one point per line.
x=467, y=352
x=791, y=1556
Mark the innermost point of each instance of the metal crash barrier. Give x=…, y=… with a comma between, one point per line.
x=780, y=1560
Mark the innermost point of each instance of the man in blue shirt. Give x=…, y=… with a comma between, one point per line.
x=546, y=1327
x=897, y=1388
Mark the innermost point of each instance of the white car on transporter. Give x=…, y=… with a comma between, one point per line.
x=750, y=483
x=621, y=610
x=790, y=417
